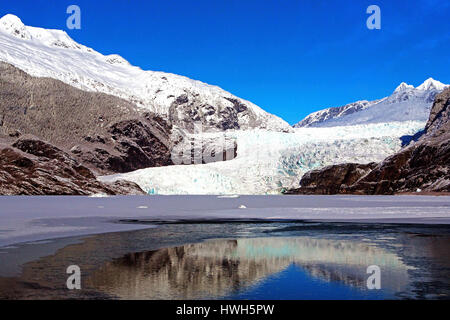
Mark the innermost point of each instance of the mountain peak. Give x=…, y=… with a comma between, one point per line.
x=12, y=24
x=10, y=19
x=116, y=59
x=403, y=86
x=52, y=53
x=431, y=84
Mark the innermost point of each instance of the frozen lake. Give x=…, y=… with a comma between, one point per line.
x=225, y=247
x=25, y=219
x=236, y=260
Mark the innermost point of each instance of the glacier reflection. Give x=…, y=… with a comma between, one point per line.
x=220, y=268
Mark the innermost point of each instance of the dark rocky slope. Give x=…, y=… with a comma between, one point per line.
x=329, y=180
x=103, y=132
x=99, y=133
x=33, y=167
x=423, y=166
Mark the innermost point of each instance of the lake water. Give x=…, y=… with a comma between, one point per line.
x=236, y=260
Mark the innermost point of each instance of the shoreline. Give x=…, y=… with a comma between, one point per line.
x=425, y=193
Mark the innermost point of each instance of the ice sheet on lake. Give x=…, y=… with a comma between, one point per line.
x=39, y=218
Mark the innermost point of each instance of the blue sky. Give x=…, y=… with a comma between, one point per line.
x=289, y=57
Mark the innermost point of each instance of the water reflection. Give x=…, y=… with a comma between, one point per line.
x=297, y=261
x=222, y=268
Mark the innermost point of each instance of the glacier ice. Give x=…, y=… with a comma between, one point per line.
x=268, y=162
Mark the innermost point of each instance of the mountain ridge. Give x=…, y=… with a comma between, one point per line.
x=52, y=53
x=410, y=103
x=423, y=166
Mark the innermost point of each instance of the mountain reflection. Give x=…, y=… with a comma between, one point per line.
x=215, y=269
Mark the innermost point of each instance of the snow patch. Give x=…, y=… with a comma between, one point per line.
x=403, y=86
x=431, y=84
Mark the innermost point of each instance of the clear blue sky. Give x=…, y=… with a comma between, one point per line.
x=289, y=57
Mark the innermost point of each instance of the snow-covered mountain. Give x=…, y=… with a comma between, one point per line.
x=52, y=53
x=271, y=156
x=270, y=162
x=406, y=103
x=318, y=117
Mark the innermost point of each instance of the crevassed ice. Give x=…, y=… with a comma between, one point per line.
x=269, y=162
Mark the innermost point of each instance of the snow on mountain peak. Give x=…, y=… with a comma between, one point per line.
x=13, y=25
x=405, y=104
x=431, y=84
x=52, y=53
x=116, y=59
x=10, y=19
x=427, y=85
x=403, y=86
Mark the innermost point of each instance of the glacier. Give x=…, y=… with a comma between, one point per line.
x=271, y=155
x=269, y=162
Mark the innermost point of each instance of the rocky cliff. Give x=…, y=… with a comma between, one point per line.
x=31, y=166
x=103, y=132
x=423, y=166
x=331, y=179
